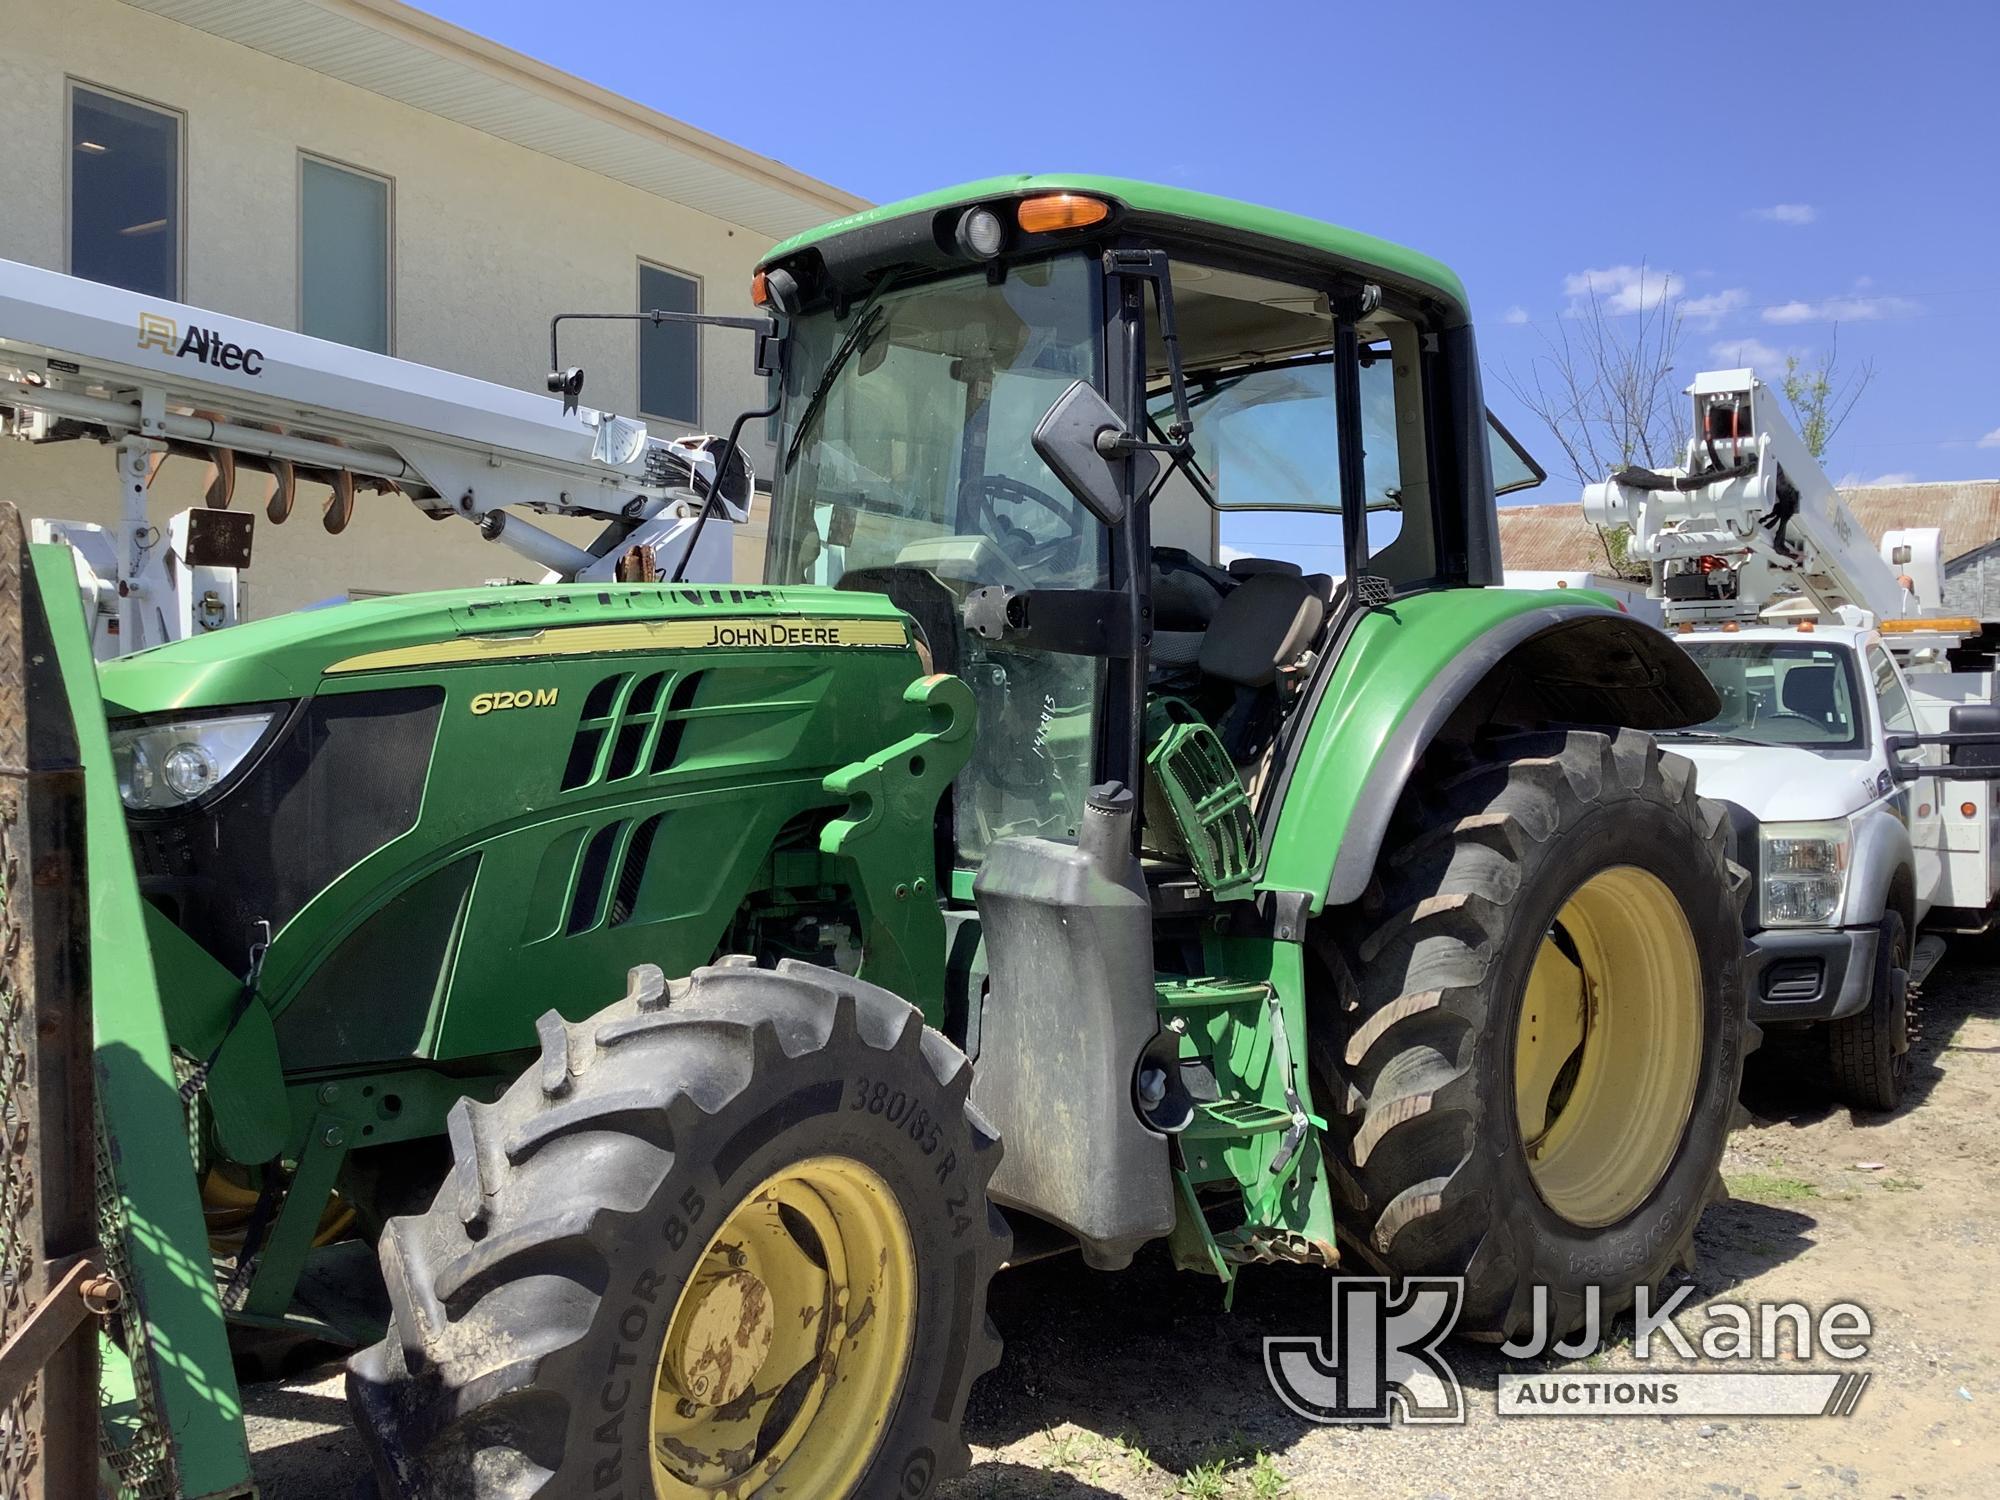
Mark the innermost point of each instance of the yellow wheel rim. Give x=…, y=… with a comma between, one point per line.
x=787, y=1347
x=1608, y=1046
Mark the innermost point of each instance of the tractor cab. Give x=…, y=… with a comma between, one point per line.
x=1268, y=445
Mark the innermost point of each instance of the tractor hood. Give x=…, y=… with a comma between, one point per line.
x=292, y=655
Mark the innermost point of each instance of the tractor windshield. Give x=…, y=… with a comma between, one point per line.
x=906, y=467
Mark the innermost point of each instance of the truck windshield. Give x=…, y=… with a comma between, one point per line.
x=1779, y=693
x=906, y=467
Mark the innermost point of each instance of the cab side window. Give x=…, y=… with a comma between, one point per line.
x=1896, y=714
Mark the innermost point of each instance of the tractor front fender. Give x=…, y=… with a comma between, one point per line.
x=1445, y=664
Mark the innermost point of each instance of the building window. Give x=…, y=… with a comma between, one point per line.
x=668, y=351
x=124, y=192
x=346, y=256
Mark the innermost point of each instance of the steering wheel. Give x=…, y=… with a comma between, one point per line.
x=982, y=495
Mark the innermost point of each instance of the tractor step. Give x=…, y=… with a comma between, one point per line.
x=1223, y=1118
x=1187, y=994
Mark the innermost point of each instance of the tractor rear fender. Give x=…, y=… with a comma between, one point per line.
x=1438, y=667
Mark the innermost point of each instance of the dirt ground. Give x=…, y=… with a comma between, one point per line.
x=1138, y=1384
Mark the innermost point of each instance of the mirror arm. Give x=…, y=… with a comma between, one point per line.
x=1123, y=445
x=568, y=382
x=1973, y=739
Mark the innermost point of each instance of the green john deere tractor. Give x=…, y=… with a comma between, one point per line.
x=651, y=976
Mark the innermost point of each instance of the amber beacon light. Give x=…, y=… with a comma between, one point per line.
x=1052, y=211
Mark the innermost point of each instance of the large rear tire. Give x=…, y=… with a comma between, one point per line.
x=1532, y=1027
x=729, y=1233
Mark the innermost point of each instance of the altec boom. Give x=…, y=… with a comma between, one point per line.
x=79, y=359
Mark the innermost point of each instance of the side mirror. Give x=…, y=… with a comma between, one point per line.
x=1082, y=440
x=1980, y=719
x=1905, y=756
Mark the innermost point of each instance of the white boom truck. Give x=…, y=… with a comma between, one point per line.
x=1858, y=738
x=149, y=378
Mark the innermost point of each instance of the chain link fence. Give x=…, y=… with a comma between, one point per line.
x=132, y=1436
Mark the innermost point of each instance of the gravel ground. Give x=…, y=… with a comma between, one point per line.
x=1138, y=1384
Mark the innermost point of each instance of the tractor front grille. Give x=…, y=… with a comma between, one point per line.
x=344, y=777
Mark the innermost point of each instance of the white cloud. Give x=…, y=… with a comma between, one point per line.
x=1709, y=310
x=1226, y=554
x=1624, y=289
x=1842, y=310
x=1640, y=289
x=1851, y=480
x=1790, y=312
x=1991, y=440
x=1515, y=314
x=1736, y=354
x=1787, y=213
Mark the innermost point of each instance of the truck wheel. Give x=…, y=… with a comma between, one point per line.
x=727, y=1233
x=1534, y=1026
x=1869, y=1053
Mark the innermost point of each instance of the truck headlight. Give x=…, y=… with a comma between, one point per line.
x=1803, y=869
x=164, y=766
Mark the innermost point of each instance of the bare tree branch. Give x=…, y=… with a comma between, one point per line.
x=1604, y=382
x=1821, y=397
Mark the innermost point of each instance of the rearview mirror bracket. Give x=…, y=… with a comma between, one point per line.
x=1081, y=438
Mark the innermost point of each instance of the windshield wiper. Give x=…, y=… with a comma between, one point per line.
x=866, y=318
x=1713, y=736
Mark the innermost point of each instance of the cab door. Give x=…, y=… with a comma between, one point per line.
x=1892, y=701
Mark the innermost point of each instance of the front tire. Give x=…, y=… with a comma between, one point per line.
x=1868, y=1054
x=1533, y=1026
x=729, y=1233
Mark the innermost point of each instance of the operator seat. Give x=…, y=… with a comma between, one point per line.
x=1809, y=692
x=1186, y=594
x=1264, y=627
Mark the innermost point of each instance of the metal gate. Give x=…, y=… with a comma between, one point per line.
x=51, y=1273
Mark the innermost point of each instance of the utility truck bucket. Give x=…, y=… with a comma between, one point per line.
x=103, y=1303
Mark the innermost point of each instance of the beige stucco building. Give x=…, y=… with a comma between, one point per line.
x=360, y=170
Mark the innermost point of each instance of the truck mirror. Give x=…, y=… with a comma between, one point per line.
x=1080, y=438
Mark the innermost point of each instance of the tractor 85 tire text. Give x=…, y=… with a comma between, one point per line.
x=729, y=1233
x=1534, y=1026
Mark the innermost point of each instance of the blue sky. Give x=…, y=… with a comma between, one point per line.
x=1791, y=165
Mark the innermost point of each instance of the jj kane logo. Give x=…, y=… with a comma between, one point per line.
x=1379, y=1360
x=203, y=345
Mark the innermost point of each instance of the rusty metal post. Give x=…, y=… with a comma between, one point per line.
x=48, y=1437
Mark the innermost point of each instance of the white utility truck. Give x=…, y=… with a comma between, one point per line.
x=1858, y=738
x=153, y=379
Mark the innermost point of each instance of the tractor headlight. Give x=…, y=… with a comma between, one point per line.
x=980, y=233
x=164, y=766
x=1803, y=869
